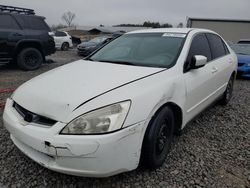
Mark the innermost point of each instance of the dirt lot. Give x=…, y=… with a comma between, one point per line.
x=213, y=151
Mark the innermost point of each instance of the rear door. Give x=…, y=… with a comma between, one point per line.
x=200, y=83
x=10, y=33
x=222, y=62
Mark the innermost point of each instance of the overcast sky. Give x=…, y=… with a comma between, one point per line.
x=111, y=12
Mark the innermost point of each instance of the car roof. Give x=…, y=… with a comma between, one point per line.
x=170, y=30
x=244, y=40
x=103, y=36
x=21, y=15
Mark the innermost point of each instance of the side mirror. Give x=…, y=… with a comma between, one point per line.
x=198, y=61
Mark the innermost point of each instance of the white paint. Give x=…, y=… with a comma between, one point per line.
x=63, y=39
x=57, y=94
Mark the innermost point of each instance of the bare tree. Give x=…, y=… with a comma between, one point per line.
x=68, y=18
x=180, y=25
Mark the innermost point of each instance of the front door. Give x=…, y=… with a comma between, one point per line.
x=200, y=83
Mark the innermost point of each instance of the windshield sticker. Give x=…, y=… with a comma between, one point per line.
x=178, y=35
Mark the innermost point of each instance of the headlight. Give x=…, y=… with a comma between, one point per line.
x=103, y=120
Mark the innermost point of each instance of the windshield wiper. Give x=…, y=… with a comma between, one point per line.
x=117, y=62
x=88, y=59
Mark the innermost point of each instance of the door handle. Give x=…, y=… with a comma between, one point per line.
x=214, y=70
x=230, y=61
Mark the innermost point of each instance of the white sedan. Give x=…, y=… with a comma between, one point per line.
x=103, y=115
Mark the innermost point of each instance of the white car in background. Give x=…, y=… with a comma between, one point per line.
x=63, y=40
x=103, y=115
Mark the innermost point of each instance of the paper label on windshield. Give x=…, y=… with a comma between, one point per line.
x=176, y=35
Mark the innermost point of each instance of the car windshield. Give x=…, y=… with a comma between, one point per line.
x=98, y=39
x=241, y=49
x=142, y=49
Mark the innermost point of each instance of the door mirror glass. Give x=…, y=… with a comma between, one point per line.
x=198, y=61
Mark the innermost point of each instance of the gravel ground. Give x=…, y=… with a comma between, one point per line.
x=213, y=151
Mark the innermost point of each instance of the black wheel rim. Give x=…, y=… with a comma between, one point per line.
x=31, y=59
x=162, y=137
x=65, y=47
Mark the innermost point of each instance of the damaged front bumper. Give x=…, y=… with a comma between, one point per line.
x=82, y=155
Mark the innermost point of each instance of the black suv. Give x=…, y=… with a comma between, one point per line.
x=24, y=38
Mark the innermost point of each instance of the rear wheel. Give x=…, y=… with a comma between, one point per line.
x=29, y=59
x=158, y=138
x=229, y=92
x=65, y=46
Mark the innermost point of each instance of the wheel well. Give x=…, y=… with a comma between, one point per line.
x=24, y=45
x=65, y=43
x=178, y=118
x=233, y=74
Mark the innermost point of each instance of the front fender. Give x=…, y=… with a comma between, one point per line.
x=147, y=96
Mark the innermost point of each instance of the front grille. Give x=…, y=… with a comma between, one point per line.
x=32, y=117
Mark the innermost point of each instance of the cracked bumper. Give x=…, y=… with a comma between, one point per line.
x=86, y=155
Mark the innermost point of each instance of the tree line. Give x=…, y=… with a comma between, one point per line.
x=68, y=18
x=149, y=24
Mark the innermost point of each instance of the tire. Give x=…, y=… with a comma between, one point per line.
x=158, y=138
x=29, y=59
x=227, y=95
x=65, y=46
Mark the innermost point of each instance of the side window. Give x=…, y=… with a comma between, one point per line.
x=60, y=34
x=7, y=22
x=218, y=47
x=226, y=48
x=37, y=24
x=32, y=22
x=199, y=46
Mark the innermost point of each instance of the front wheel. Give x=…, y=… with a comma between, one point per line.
x=158, y=138
x=227, y=95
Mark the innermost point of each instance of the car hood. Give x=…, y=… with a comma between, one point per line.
x=243, y=58
x=59, y=92
x=87, y=44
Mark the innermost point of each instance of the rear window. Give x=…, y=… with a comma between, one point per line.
x=33, y=22
x=218, y=47
x=8, y=22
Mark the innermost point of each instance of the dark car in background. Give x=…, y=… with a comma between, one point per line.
x=86, y=48
x=24, y=38
x=243, y=54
